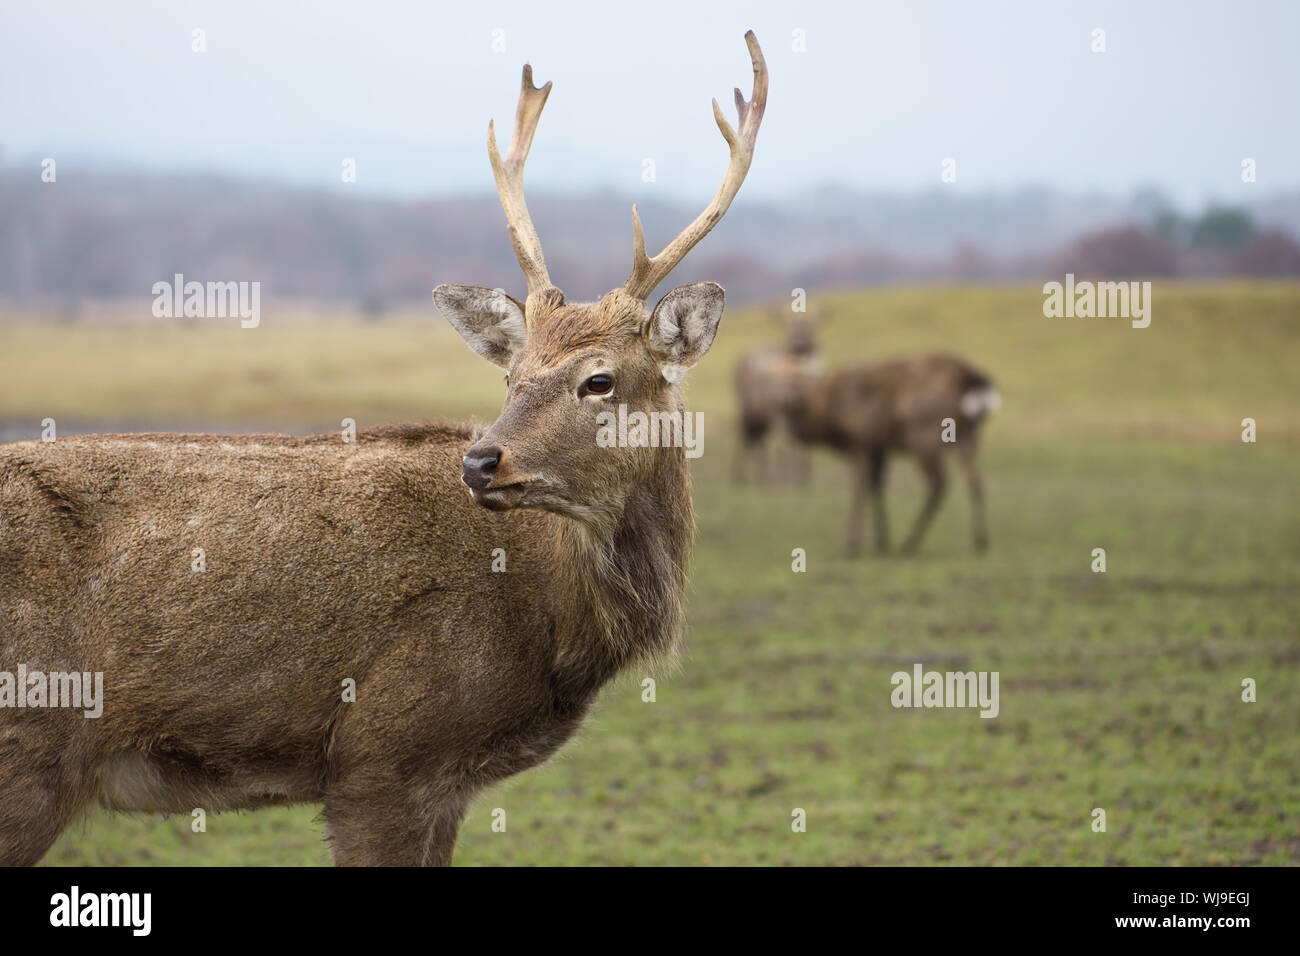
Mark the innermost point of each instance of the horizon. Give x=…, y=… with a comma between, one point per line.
x=1138, y=194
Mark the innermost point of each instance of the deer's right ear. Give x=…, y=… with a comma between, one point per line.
x=490, y=322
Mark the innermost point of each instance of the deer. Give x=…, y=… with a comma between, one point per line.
x=347, y=639
x=767, y=379
x=922, y=405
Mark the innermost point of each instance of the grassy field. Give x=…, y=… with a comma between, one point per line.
x=1119, y=690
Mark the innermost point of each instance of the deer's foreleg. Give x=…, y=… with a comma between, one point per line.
x=43, y=785
x=931, y=462
x=383, y=824
x=868, y=481
x=979, y=520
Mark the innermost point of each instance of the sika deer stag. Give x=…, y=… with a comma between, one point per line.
x=329, y=562
x=767, y=383
x=869, y=411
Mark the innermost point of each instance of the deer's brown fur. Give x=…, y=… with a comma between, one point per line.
x=324, y=561
x=328, y=562
x=768, y=379
x=868, y=412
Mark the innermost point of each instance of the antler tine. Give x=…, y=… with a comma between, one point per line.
x=648, y=272
x=509, y=177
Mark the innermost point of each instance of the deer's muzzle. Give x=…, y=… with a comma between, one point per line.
x=479, y=466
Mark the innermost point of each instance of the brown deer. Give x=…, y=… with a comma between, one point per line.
x=343, y=635
x=767, y=382
x=920, y=405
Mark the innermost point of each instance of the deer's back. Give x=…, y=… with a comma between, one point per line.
x=886, y=403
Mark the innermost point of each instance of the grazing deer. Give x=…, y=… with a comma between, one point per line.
x=868, y=411
x=342, y=635
x=767, y=382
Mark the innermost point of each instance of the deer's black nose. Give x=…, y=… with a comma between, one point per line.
x=479, y=466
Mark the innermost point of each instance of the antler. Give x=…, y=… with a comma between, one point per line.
x=648, y=272
x=510, y=182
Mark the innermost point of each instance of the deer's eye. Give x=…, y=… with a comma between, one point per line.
x=596, y=385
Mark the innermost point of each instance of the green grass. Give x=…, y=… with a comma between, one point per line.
x=1118, y=690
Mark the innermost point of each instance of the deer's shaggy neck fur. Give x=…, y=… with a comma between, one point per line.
x=621, y=585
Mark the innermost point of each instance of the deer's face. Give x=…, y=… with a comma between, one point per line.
x=567, y=365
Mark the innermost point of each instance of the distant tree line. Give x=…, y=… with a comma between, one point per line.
x=111, y=236
x=1221, y=241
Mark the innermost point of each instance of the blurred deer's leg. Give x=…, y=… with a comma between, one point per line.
x=800, y=458
x=759, y=453
x=853, y=546
x=931, y=461
x=785, y=463
x=970, y=464
x=738, y=461
x=877, y=475
x=749, y=452
x=864, y=485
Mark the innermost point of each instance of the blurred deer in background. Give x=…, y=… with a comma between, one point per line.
x=920, y=405
x=767, y=385
x=366, y=562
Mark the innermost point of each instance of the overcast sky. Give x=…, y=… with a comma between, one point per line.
x=883, y=94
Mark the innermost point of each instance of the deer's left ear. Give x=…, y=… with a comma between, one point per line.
x=682, y=326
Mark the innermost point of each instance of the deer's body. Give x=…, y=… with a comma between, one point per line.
x=869, y=412
x=371, y=563
x=224, y=688
x=768, y=380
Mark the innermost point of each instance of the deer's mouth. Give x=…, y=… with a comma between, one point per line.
x=534, y=492
x=500, y=497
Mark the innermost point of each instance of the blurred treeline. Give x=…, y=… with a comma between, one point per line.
x=110, y=235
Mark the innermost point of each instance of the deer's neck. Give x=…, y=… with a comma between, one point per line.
x=623, y=588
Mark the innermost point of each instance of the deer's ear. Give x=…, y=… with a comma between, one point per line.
x=682, y=326
x=491, y=322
